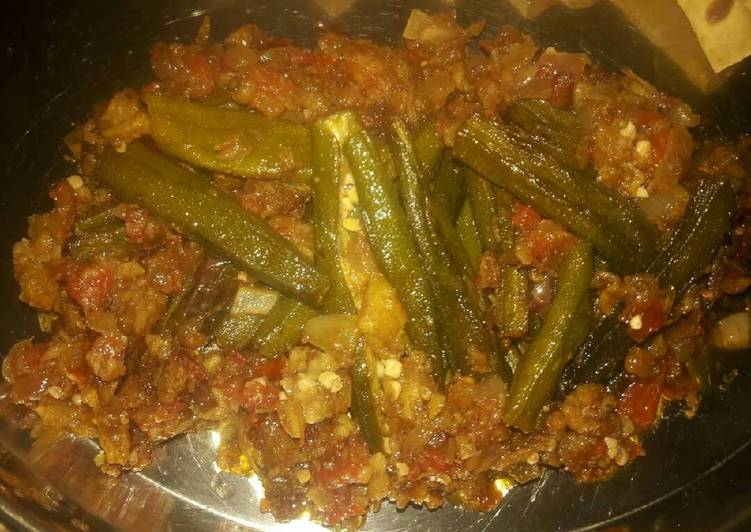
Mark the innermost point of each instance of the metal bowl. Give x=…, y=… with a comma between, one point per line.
x=60, y=58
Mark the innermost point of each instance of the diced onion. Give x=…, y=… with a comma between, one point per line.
x=422, y=27
x=437, y=29
x=733, y=331
x=253, y=300
x=332, y=332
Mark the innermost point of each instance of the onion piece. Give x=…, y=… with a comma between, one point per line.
x=253, y=300
x=332, y=333
x=733, y=331
x=438, y=29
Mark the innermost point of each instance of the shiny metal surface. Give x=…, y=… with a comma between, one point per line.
x=183, y=489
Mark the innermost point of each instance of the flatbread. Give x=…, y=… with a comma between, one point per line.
x=723, y=28
x=664, y=23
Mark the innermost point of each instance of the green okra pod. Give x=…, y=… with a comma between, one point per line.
x=466, y=230
x=448, y=186
x=557, y=128
x=110, y=241
x=388, y=231
x=584, y=207
x=704, y=225
x=228, y=140
x=428, y=146
x=188, y=201
x=493, y=224
x=706, y=222
x=461, y=322
x=364, y=405
x=237, y=331
x=329, y=135
x=107, y=219
x=513, y=308
x=282, y=328
x=446, y=236
x=563, y=329
x=329, y=167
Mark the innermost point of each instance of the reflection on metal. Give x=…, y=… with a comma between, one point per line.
x=334, y=8
x=184, y=490
x=216, y=439
x=304, y=524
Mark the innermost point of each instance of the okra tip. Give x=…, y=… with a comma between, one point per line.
x=342, y=125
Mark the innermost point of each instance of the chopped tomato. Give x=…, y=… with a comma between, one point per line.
x=142, y=228
x=489, y=272
x=24, y=357
x=154, y=416
x=525, y=217
x=196, y=371
x=561, y=84
x=660, y=143
x=653, y=317
x=33, y=352
x=350, y=466
x=189, y=70
x=78, y=374
x=234, y=358
x=202, y=72
x=488, y=496
x=90, y=285
x=151, y=87
x=271, y=369
x=273, y=81
x=486, y=46
x=259, y=395
x=550, y=239
x=563, y=90
x=634, y=449
x=343, y=506
x=680, y=389
x=231, y=387
x=545, y=246
x=646, y=117
x=319, y=63
x=164, y=271
x=433, y=460
x=639, y=402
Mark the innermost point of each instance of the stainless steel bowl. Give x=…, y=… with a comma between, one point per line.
x=58, y=59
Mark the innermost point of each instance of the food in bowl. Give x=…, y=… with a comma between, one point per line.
x=418, y=274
